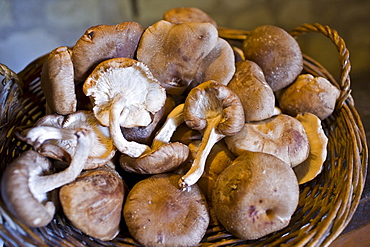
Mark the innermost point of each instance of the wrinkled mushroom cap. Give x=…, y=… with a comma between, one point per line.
x=180, y=55
x=133, y=82
x=255, y=196
x=187, y=14
x=158, y=213
x=256, y=95
x=94, y=201
x=103, y=42
x=276, y=52
x=57, y=81
x=282, y=136
x=309, y=94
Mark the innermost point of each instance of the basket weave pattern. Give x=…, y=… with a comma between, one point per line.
x=326, y=204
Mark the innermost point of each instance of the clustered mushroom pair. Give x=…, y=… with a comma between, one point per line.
x=221, y=135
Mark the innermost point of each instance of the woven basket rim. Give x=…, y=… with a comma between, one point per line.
x=325, y=223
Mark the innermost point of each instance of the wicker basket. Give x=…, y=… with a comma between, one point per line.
x=326, y=203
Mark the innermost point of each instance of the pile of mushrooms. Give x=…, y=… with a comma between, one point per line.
x=215, y=136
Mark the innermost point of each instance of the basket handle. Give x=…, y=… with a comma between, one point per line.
x=345, y=65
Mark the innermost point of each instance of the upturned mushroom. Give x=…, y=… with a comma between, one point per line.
x=53, y=136
x=282, y=136
x=94, y=201
x=186, y=15
x=256, y=195
x=312, y=166
x=185, y=55
x=57, y=82
x=254, y=92
x=158, y=213
x=276, y=52
x=27, y=180
x=217, y=111
x=124, y=94
x=164, y=156
x=309, y=94
x=104, y=42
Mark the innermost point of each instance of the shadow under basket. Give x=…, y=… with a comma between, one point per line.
x=326, y=204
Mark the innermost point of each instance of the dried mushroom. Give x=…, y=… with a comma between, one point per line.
x=57, y=81
x=27, y=180
x=282, y=136
x=124, y=94
x=185, y=55
x=217, y=111
x=309, y=94
x=256, y=195
x=158, y=213
x=276, y=52
x=256, y=95
x=94, y=201
x=104, y=42
x=312, y=166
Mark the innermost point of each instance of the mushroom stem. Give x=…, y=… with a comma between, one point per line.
x=117, y=115
x=39, y=185
x=210, y=138
x=164, y=134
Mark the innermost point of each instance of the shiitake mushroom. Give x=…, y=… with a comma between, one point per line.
x=255, y=196
x=158, y=213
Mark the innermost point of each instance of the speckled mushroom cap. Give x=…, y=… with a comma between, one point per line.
x=103, y=42
x=276, y=52
x=158, y=213
x=256, y=195
x=187, y=14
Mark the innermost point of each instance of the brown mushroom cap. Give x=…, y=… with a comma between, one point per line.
x=17, y=195
x=282, y=136
x=256, y=95
x=187, y=53
x=276, y=52
x=309, y=94
x=256, y=195
x=103, y=42
x=165, y=158
x=187, y=14
x=94, y=201
x=158, y=213
x=57, y=81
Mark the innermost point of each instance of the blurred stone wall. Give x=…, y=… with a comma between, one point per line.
x=31, y=28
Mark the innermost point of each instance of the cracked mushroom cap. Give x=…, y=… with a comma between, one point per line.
x=309, y=94
x=185, y=55
x=94, y=202
x=256, y=195
x=104, y=42
x=187, y=14
x=256, y=95
x=158, y=213
x=276, y=52
x=281, y=135
x=57, y=81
